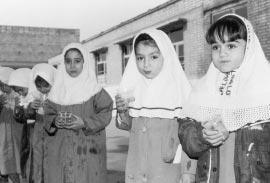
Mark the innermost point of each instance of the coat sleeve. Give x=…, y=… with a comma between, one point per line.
x=103, y=105
x=190, y=136
x=49, y=117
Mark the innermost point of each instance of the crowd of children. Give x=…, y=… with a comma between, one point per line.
x=52, y=121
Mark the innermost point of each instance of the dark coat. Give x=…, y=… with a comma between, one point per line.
x=251, y=155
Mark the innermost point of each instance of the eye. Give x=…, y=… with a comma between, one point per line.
x=154, y=57
x=67, y=61
x=77, y=61
x=231, y=46
x=214, y=47
x=139, y=58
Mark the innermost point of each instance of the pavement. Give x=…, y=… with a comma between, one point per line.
x=117, y=147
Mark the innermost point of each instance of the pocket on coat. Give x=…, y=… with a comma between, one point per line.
x=169, y=142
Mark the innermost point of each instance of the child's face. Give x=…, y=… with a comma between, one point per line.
x=44, y=89
x=5, y=88
x=74, y=63
x=20, y=90
x=149, y=60
x=228, y=56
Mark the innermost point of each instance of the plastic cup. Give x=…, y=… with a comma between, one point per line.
x=126, y=94
x=65, y=116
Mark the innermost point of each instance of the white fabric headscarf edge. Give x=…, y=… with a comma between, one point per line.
x=164, y=95
x=67, y=90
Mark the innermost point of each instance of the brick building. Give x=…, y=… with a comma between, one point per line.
x=186, y=22
x=27, y=46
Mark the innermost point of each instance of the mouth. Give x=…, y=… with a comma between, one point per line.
x=146, y=72
x=224, y=61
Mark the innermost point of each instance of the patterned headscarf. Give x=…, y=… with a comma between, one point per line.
x=239, y=97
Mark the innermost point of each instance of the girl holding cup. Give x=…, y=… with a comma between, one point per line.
x=77, y=148
x=41, y=80
x=227, y=129
x=159, y=86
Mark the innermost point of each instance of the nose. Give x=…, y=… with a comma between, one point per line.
x=146, y=63
x=223, y=52
x=72, y=65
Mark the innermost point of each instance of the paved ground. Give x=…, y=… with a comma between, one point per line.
x=117, y=146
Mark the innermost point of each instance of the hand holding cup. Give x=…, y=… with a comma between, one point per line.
x=123, y=100
x=214, y=131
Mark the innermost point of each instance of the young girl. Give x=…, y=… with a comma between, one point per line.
x=10, y=131
x=40, y=83
x=19, y=81
x=228, y=133
x=158, y=86
x=77, y=113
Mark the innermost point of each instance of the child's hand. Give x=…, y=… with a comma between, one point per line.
x=59, y=122
x=215, y=132
x=214, y=137
x=75, y=123
x=36, y=104
x=122, y=104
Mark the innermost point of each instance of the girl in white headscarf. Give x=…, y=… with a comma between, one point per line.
x=230, y=107
x=11, y=153
x=40, y=82
x=150, y=99
x=77, y=113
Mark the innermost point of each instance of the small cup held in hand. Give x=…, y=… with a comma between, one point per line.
x=65, y=116
x=126, y=95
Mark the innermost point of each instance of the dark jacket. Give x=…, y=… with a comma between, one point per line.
x=251, y=156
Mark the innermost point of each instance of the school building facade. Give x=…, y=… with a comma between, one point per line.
x=27, y=46
x=186, y=22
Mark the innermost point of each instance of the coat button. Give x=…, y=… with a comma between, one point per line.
x=144, y=179
x=204, y=167
x=143, y=129
x=214, y=169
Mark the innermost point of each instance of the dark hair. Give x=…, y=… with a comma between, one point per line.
x=145, y=39
x=40, y=82
x=231, y=26
x=73, y=49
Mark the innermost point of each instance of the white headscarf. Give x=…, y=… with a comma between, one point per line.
x=163, y=95
x=5, y=74
x=44, y=70
x=249, y=88
x=20, y=77
x=67, y=90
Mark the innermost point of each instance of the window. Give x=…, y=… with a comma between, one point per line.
x=101, y=68
x=239, y=10
x=177, y=38
x=126, y=51
x=175, y=31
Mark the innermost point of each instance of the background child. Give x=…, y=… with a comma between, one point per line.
x=41, y=79
x=231, y=97
x=77, y=113
x=19, y=81
x=159, y=87
x=9, y=131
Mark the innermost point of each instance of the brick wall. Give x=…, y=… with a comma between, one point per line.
x=26, y=46
x=198, y=14
x=259, y=15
